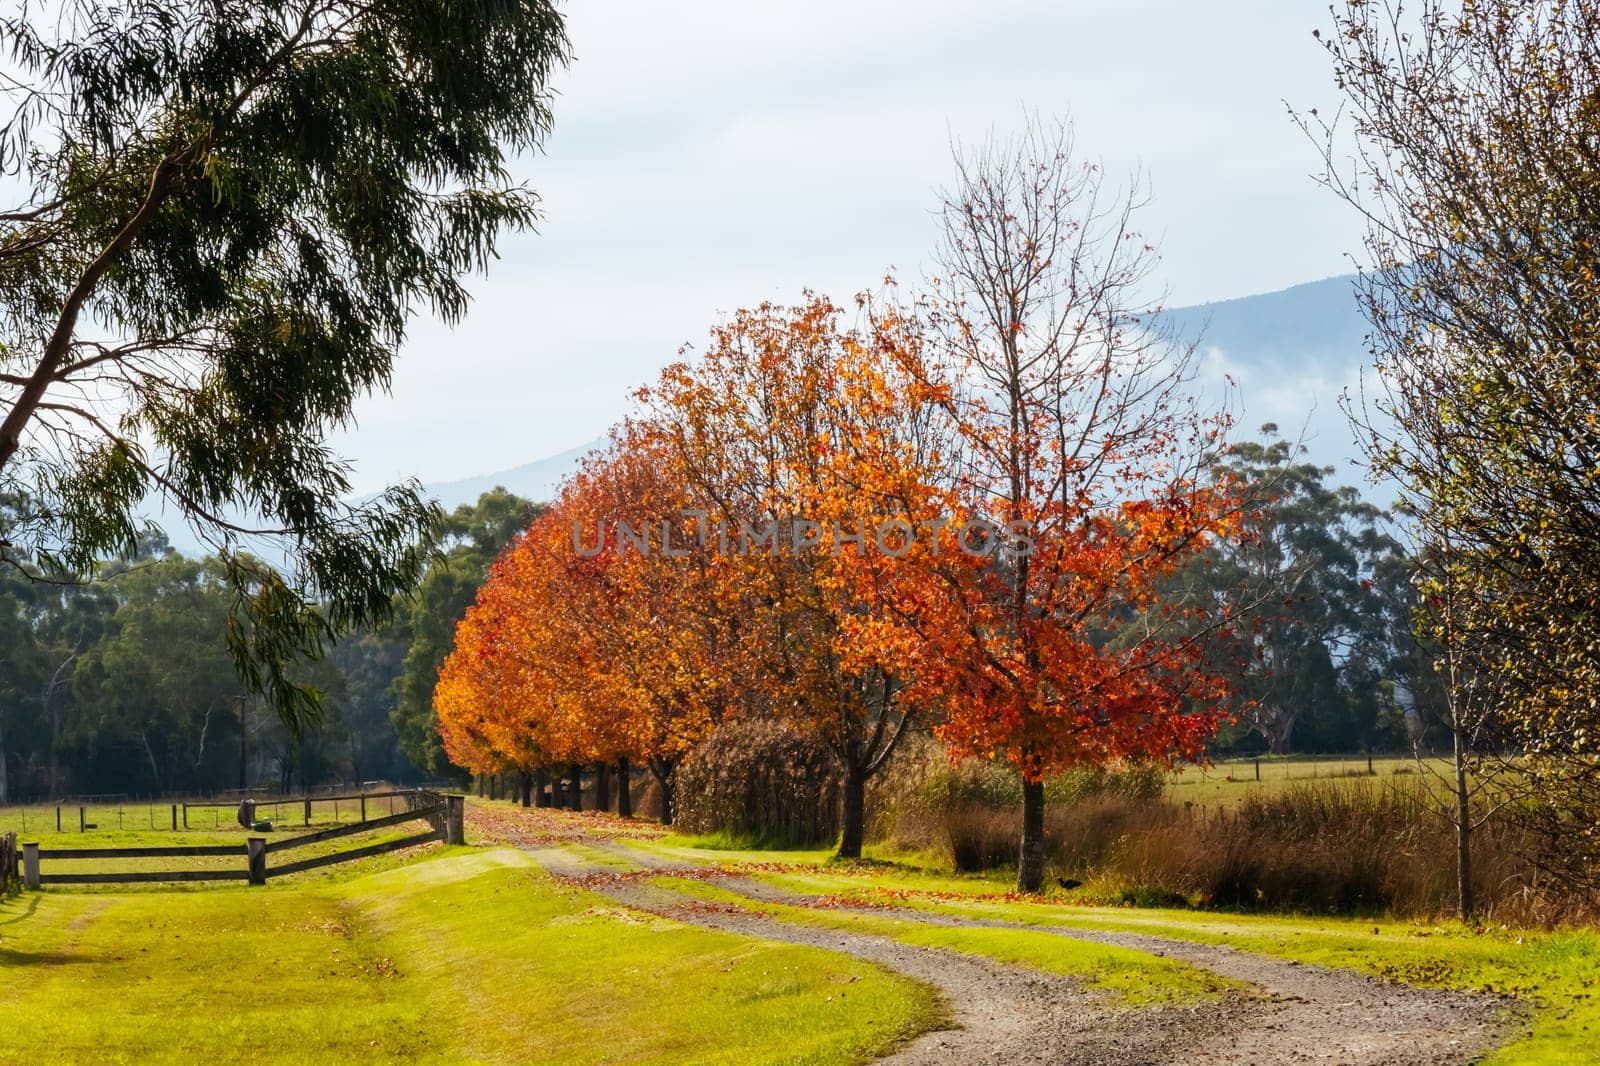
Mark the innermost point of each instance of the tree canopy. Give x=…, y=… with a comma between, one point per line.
x=230, y=212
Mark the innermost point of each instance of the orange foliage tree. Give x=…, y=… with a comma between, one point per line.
x=1082, y=444
x=594, y=640
x=664, y=629
x=819, y=461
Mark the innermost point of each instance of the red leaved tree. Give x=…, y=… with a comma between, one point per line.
x=1083, y=444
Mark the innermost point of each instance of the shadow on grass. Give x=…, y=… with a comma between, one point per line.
x=21, y=959
x=26, y=912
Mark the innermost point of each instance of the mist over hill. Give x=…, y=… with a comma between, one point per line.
x=1292, y=356
x=537, y=480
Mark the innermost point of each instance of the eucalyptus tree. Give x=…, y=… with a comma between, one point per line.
x=1313, y=587
x=1476, y=129
x=471, y=537
x=228, y=212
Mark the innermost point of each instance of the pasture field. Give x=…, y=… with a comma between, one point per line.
x=150, y=822
x=129, y=826
x=1224, y=782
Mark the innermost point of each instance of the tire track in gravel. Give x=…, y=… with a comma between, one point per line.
x=1300, y=1013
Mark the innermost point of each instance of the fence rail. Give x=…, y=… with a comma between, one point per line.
x=338, y=831
x=320, y=861
x=118, y=811
x=444, y=815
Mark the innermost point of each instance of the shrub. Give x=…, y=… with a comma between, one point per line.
x=760, y=781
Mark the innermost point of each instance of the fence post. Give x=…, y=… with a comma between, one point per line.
x=1258, y=769
x=363, y=806
x=174, y=817
x=454, y=817
x=30, y=865
x=257, y=850
x=308, y=810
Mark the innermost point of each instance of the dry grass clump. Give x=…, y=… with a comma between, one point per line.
x=1329, y=847
x=760, y=781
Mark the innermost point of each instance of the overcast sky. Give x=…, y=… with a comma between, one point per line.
x=710, y=155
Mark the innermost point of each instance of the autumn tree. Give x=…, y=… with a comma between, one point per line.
x=1081, y=442
x=491, y=714
x=666, y=643
x=818, y=458
x=1474, y=128
x=225, y=215
x=594, y=640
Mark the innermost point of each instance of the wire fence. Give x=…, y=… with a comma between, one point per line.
x=109, y=815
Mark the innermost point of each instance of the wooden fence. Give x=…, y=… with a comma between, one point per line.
x=444, y=815
x=10, y=864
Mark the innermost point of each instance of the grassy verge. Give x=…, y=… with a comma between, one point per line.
x=1132, y=977
x=1558, y=972
x=467, y=957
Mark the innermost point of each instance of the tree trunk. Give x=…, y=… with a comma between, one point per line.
x=355, y=760
x=575, y=787
x=602, y=786
x=55, y=750
x=525, y=787
x=663, y=771
x=624, y=788
x=855, y=812
x=541, y=781
x=244, y=745
x=5, y=795
x=1030, y=863
x=1463, y=830
x=55, y=758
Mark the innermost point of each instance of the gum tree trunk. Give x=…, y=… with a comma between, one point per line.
x=1463, y=830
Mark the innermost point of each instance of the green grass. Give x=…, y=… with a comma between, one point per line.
x=465, y=957
x=1134, y=978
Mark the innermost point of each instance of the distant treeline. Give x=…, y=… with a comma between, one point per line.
x=125, y=684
